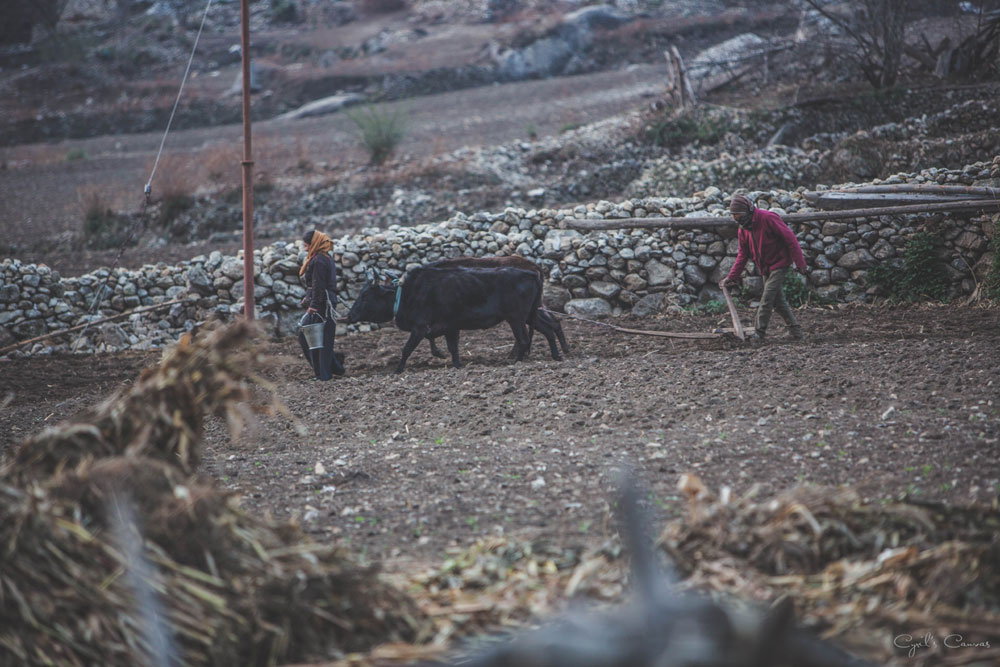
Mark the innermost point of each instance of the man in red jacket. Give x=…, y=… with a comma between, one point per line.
x=766, y=239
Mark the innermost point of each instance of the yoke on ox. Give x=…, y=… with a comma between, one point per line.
x=431, y=301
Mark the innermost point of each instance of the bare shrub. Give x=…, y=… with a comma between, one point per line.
x=175, y=180
x=220, y=165
x=102, y=226
x=877, y=29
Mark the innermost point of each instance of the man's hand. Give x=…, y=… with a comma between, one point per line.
x=312, y=310
x=726, y=282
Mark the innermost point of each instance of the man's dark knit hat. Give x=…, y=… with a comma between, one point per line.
x=741, y=205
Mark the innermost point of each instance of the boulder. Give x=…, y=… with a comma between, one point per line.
x=558, y=242
x=834, y=228
x=261, y=76
x=694, y=276
x=28, y=329
x=659, y=274
x=199, y=282
x=971, y=241
x=604, y=290
x=589, y=308
x=232, y=268
x=856, y=259
x=9, y=293
x=324, y=106
x=651, y=304
x=555, y=297
x=713, y=66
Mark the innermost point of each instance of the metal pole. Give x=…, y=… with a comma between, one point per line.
x=248, y=284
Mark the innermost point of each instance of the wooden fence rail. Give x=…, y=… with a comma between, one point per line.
x=719, y=222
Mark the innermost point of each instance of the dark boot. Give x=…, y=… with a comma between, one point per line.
x=795, y=332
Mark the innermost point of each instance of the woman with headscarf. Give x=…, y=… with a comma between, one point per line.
x=319, y=275
x=766, y=239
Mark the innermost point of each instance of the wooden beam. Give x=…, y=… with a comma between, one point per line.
x=642, y=332
x=923, y=188
x=697, y=222
x=848, y=200
x=719, y=222
x=60, y=332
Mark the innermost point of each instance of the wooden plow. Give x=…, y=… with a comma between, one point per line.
x=680, y=335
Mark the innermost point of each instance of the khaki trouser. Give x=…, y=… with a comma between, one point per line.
x=774, y=297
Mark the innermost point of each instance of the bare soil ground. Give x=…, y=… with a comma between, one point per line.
x=893, y=401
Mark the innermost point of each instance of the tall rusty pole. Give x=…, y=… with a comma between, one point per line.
x=248, y=284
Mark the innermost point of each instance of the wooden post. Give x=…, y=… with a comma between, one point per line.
x=678, y=83
x=247, y=164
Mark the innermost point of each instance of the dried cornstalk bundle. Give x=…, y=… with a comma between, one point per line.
x=861, y=572
x=234, y=590
x=111, y=553
x=805, y=529
x=161, y=415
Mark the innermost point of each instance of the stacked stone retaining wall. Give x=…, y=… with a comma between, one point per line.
x=595, y=274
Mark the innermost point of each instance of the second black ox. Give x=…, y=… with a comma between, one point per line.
x=434, y=301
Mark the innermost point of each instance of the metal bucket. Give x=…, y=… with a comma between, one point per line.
x=314, y=335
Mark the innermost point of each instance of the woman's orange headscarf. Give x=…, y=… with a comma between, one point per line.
x=320, y=243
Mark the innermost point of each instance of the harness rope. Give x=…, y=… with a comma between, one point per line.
x=147, y=190
x=180, y=90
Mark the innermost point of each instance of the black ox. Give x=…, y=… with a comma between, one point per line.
x=544, y=321
x=432, y=301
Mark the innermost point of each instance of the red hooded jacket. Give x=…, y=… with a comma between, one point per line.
x=769, y=243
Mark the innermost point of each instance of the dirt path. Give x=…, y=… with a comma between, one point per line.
x=42, y=190
x=891, y=401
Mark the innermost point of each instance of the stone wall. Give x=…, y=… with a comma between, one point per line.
x=595, y=274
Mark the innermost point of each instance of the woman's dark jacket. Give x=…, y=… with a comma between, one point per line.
x=320, y=276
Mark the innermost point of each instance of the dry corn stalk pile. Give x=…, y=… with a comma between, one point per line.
x=859, y=573
x=862, y=573
x=229, y=589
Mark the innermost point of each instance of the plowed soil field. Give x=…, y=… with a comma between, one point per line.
x=893, y=401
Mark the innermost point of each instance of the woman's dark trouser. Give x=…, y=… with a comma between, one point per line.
x=774, y=298
x=324, y=361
